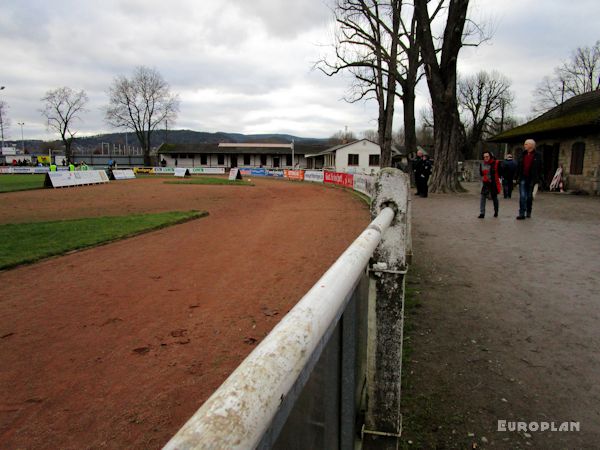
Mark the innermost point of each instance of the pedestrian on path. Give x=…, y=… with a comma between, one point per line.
x=417, y=167
x=529, y=173
x=490, y=182
x=508, y=170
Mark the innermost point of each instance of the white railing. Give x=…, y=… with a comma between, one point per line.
x=242, y=412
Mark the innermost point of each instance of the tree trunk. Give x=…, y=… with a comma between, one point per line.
x=447, y=139
x=68, y=152
x=441, y=78
x=410, y=135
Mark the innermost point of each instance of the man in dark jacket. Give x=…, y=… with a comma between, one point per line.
x=417, y=168
x=508, y=171
x=529, y=173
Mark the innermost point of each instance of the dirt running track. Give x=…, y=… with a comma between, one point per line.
x=117, y=346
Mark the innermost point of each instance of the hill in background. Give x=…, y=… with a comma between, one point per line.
x=91, y=143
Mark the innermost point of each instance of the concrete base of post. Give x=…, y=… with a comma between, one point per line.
x=383, y=421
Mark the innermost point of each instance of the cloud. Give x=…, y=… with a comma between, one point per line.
x=245, y=66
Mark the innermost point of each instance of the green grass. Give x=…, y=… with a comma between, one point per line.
x=29, y=242
x=11, y=183
x=209, y=180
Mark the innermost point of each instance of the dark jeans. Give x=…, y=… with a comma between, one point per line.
x=507, y=186
x=488, y=189
x=525, y=197
x=422, y=185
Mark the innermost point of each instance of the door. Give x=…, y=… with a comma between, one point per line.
x=550, y=155
x=233, y=160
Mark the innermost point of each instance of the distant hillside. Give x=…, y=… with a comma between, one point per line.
x=171, y=137
x=193, y=137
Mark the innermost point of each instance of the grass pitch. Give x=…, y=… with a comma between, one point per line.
x=29, y=242
x=11, y=183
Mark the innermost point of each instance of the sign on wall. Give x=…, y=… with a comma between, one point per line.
x=316, y=176
x=294, y=174
x=339, y=178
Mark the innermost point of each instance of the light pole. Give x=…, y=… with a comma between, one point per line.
x=2, y=123
x=22, y=140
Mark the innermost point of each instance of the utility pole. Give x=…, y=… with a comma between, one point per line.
x=2, y=123
x=22, y=140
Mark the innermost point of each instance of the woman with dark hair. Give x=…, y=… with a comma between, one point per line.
x=490, y=182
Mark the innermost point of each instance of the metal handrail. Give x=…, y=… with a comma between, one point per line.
x=240, y=412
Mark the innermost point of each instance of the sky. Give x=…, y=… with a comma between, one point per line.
x=247, y=67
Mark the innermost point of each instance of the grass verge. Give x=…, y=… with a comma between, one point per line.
x=12, y=183
x=209, y=180
x=26, y=243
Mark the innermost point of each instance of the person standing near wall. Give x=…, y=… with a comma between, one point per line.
x=417, y=167
x=490, y=183
x=426, y=169
x=529, y=172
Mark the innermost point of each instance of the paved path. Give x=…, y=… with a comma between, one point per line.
x=508, y=327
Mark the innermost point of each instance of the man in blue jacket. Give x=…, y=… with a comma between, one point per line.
x=508, y=170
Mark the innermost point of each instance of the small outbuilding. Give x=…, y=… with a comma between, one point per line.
x=569, y=137
x=362, y=156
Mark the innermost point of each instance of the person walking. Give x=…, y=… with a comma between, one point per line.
x=529, y=172
x=426, y=169
x=508, y=170
x=490, y=182
x=417, y=168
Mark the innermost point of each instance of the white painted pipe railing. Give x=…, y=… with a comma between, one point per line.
x=241, y=411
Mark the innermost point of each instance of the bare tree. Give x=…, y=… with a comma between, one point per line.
x=371, y=135
x=440, y=70
x=62, y=107
x=4, y=120
x=342, y=137
x=483, y=99
x=367, y=43
x=141, y=104
x=578, y=75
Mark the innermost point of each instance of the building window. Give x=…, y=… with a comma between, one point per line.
x=288, y=160
x=577, y=154
x=203, y=160
x=275, y=161
x=352, y=159
x=263, y=160
x=221, y=160
x=246, y=160
x=374, y=160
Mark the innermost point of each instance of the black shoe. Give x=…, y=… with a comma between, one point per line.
x=528, y=215
x=520, y=217
x=481, y=216
x=495, y=213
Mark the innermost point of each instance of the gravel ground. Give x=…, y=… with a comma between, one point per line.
x=506, y=325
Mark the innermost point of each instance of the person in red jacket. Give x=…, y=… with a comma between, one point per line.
x=490, y=182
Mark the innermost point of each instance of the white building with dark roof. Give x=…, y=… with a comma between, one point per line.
x=362, y=156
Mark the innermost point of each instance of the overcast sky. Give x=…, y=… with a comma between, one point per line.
x=246, y=66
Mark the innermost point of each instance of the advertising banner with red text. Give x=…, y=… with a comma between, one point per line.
x=342, y=179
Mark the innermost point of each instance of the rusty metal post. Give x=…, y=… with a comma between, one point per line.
x=383, y=421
